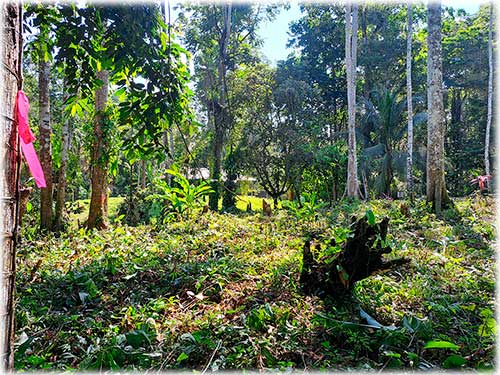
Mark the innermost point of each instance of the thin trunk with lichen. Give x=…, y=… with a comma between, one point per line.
x=490, y=95
x=100, y=148
x=436, y=186
x=220, y=108
x=350, y=53
x=45, y=151
x=409, y=98
x=61, y=181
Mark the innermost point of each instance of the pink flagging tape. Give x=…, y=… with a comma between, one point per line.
x=27, y=138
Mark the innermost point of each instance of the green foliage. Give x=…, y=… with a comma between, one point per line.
x=141, y=298
x=138, y=209
x=183, y=198
x=307, y=208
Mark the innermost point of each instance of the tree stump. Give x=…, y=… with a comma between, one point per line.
x=360, y=257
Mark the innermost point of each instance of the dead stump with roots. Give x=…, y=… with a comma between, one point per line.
x=360, y=257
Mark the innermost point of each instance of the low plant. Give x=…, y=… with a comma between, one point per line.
x=307, y=208
x=183, y=198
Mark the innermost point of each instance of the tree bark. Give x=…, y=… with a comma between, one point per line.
x=45, y=132
x=351, y=51
x=220, y=110
x=10, y=82
x=143, y=174
x=490, y=95
x=409, y=98
x=62, y=183
x=436, y=187
x=99, y=174
x=360, y=257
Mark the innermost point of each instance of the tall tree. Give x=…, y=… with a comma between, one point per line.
x=351, y=31
x=222, y=36
x=490, y=94
x=220, y=108
x=436, y=186
x=43, y=17
x=11, y=81
x=62, y=182
x=45, y=132
x=409, y=99
x=99, y=175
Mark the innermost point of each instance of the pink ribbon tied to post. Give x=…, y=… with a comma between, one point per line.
x=27, y=138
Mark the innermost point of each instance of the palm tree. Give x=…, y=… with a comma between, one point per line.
x=383, y=113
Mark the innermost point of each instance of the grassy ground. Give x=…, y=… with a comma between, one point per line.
x=222, y=291
x=82, y=213
x=78, y=216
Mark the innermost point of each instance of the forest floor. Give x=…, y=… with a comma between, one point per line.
x=221, y=291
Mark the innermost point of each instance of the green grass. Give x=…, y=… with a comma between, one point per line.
x=256, y=203
x=222, y=291
x=114, y=203
x=83, y=212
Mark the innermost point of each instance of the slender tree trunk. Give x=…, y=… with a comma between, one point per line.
x=10, y=82
x=436, y=187
x=220, y=115
x=171, y=145
x=351, y=51
x=364, y=33
x=166, y=163
x=490, y=95
x=409, y=98
x=99, y=174
x=45, y=130
x=62, y=183
x=143, y=174
x=216, y=171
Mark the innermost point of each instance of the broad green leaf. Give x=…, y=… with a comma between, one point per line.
x=487, y=328
x=182, y=357
x=440, y=345
x=370, y=216
x=454, y=361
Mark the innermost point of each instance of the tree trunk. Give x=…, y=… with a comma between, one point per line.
x=143, y=174
x=409, y=99
x=10, y=82
x=490, y=95
x=436, y=187
x=213, y=201
x=45, y=130
x=62, y=183
x=361, y=256
x=220, y=110
x=171, y=145
x=351, y=50
x=99, y=174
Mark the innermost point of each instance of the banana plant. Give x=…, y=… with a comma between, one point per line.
x=183, y=198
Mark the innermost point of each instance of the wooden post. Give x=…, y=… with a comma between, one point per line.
x=10, y=82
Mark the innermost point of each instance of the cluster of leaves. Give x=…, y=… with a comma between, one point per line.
x=222, y=292
x=306, y=208
x=183, y=197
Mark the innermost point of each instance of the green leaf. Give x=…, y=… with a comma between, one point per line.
x=182, y=357
x=370, y=216
x=137, y=338
x=487, y=328
x=454, y=361
x=440, y=345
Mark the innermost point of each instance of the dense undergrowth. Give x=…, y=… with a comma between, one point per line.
x=221, y=291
